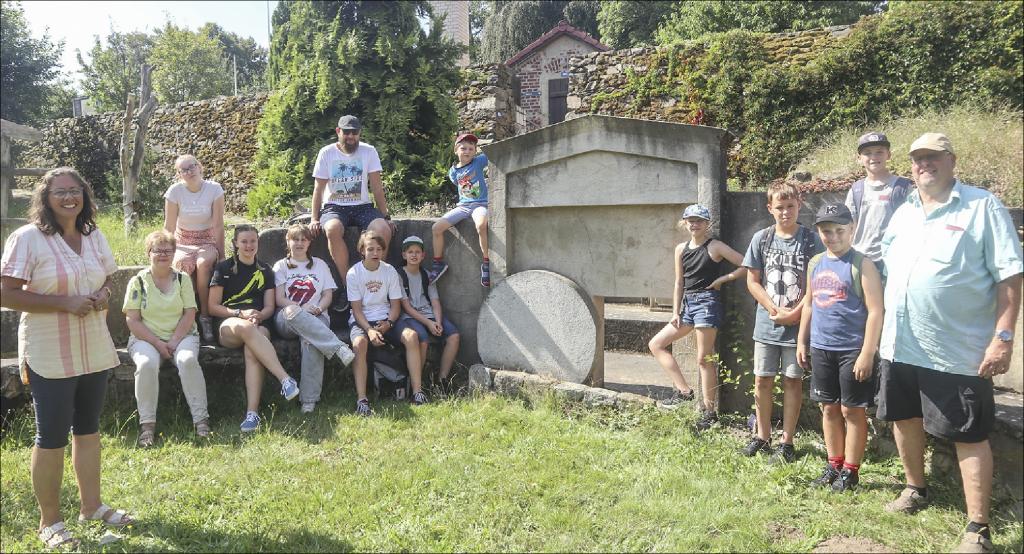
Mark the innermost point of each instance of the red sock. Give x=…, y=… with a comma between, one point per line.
x=854, y=468
x=437, y=259
x=836, y=462
x=487, y=260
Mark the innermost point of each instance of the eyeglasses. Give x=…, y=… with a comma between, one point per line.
x=189, y=169
x=927, y=158
x=67, y=193
x=350, y=131
x=161, y=252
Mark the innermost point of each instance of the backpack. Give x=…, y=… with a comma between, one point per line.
x=855, y=275
x=900, y=190
x=405, y=283
x=388, y=380
x=804, y=236
x=142, y=285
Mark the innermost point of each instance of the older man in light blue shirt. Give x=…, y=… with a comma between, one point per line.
x=954, y=268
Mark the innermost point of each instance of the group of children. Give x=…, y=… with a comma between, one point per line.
x=819, y=297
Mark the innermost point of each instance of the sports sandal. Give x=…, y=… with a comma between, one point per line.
x=203, y=429
x=109, y=516
x=147, y=435
x=58, y=537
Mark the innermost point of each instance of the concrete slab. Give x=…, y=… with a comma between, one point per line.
x=635, y=373
x=542, y=323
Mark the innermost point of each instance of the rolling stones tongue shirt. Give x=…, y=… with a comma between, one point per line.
x=302, y=284
x=783, y=267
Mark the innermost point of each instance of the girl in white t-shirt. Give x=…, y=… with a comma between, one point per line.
x=304, y=291
x=375, y=293
x=194, y=212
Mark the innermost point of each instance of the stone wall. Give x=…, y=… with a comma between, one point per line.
x=604, y=72
x=485, y=103
x=221, y=132
x=535, y=72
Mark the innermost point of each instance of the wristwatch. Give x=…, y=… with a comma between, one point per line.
x=387, y=217
x=1004, y=335
x=238, y=312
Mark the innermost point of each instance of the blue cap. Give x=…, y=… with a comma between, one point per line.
x=696, y=210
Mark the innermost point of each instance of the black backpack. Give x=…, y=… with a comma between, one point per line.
x=388, y=380
x=805, y=237
x=405, y=283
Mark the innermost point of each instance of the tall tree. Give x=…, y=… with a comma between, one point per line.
x=582, y=14
x=242, y=52
x=515, y=24
x=479, y=12
x=627, y=23
x=189, y=66
x=113, y=71
x=370, y=59
x=692, y=18
x=29, y=70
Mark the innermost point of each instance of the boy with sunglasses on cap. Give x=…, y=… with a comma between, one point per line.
x=467, y=173
x=873, y=199
x=841, y=321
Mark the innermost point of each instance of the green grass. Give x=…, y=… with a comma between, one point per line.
x=471, y=474
x=127, y=250
x=989, y=146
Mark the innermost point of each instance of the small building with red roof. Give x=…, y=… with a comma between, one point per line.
x=541, y=74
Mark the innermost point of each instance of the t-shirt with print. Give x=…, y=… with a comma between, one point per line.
x=304, y=285
x=346, y=174
x=160, y=311
x=375, y=289
x=872, y=216
x=470, y=180
x=417, y=299
x=195, y=209
x=784, y=278
x=243, y=289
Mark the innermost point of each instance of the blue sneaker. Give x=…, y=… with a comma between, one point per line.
x=289, y=388
x=363, y=408
x=485, y=274
x=251, y=422
x=436, y=270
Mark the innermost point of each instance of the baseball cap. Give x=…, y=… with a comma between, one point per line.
x=871, y=139
x=411, y=240
x=349, y=122
x=833, y=213
x=932, y=141
x=466, y=137
x=696, y=210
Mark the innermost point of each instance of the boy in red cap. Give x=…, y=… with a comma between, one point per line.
x=468, y=175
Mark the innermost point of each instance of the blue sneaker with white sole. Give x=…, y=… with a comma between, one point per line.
x=251, y=422
x=289, y=388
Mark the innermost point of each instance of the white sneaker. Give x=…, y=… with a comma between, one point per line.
x=346, y=355
x=308, y=407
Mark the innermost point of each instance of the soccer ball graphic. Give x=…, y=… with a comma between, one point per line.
x=783, y=287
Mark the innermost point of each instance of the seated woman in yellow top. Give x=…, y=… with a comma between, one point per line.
x=160, y=309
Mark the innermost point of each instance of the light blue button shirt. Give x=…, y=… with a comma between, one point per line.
x=940, y=297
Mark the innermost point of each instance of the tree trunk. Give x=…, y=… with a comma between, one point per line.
x=132, y=155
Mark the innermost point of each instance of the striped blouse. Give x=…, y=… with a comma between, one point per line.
x=60, y=344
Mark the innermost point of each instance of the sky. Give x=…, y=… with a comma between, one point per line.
x=77, y=23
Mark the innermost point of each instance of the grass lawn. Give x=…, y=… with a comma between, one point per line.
x=470, y=474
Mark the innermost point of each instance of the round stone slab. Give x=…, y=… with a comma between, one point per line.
x=539, y=322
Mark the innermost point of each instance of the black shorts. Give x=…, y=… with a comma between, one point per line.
x=832, y=380
x=70, y=404
x=960, y=408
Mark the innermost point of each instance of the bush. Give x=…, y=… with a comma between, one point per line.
x=988, y=148
x=153, y=183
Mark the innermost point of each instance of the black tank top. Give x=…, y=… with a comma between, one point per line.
x=699, y=270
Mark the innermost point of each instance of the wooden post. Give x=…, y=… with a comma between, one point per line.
x=6, y=175
x=131, y=162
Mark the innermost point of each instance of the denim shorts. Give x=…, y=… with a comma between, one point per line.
x=447, y=328
x=462, y=211
x=359, y=215
x=701, y=309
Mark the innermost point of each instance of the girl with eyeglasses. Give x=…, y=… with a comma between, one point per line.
x=194, y=213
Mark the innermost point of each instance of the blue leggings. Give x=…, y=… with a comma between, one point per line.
x=70, y=404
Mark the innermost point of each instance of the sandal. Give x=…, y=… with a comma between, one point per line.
x=147, y=435
x=109, y=516
x=203, y=429
x=57, y=537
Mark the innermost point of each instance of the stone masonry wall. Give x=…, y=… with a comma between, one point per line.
x=485, y=103
x=599, y=72
x=221, y=132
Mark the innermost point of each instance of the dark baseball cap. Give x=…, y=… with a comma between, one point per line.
x=834, y=213
x=350, y=122
x=873, y=138
x=466, y=137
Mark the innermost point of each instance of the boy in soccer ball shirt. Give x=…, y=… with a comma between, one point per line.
x=776, y=263
x=468, y=175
